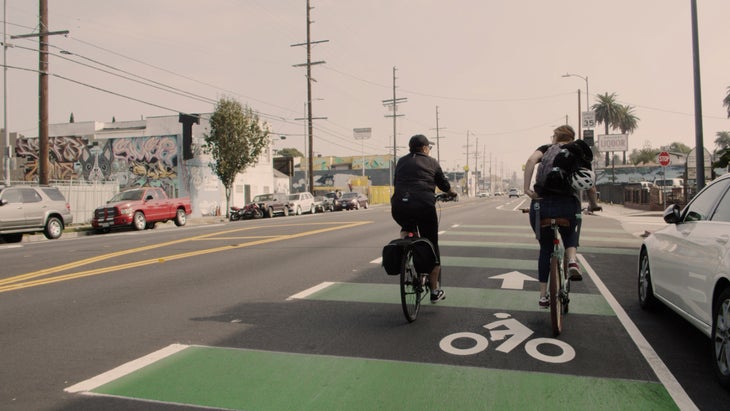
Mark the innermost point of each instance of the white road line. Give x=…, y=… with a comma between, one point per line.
x=309, y=291
x=665, y=376
x=124, y=369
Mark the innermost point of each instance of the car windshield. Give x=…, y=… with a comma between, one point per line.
x=293, y=196
x=132, y=195
x=263, y=197
x=349, y=195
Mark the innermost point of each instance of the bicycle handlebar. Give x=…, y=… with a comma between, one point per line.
x=446, y=197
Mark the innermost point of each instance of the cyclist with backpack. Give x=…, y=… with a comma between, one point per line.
x=413, y=205
x=565, y=170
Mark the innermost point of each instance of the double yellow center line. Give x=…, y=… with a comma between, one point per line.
x=43, y=277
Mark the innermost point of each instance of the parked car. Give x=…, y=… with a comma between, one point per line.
x=141, y=208
x=322, y=204
x=351, y=201
x=301, y=203
x=273, y=204
x=483, y=194
x=513, y=193
x=686, y=266
x=26, y=209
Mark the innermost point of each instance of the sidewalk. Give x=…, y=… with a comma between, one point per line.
x=635, y=222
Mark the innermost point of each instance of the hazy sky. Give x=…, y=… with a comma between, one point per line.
x=492, y=67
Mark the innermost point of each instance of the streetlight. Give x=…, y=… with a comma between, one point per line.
x=588, y=107
x=588, y=104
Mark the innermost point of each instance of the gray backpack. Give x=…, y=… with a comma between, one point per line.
x=554, y=171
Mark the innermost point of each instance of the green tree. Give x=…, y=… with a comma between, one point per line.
x=236, y=141
x=608, y=113
x=678, y=147
x=290, y=152
x=726, y=102
x=646, y=155
x=722, y=152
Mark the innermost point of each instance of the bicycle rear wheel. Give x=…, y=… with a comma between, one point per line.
x=556, y=302
x=410, y=287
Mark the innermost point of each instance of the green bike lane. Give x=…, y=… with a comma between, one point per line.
x=484, y=347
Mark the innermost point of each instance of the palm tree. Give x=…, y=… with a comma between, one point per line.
x=722, y=152
x=628, y=122
x=607, y=112
x=726, y=102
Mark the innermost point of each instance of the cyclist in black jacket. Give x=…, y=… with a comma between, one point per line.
x=413, y=205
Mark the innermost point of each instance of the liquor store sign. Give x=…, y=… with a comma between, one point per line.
x=613, y=142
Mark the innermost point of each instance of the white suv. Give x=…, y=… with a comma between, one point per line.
x=301, y=203
x=26, y=209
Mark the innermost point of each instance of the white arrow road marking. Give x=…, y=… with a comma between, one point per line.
x=514, y=280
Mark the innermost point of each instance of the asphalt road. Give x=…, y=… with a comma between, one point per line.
x=296, y=312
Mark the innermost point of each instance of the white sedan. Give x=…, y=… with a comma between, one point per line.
x=686, y=266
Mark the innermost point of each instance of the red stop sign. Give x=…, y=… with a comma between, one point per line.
x=664, y=159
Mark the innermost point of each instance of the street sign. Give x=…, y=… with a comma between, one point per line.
x=613, y=142
x=664, y=159
x=588, y=137
x=588, y=119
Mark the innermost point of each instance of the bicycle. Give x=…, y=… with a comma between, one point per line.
x=558, y=280
x=415, y=286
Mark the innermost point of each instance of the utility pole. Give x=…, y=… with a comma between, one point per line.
x=476, y=166
x=393, y=103
x=309, y=65
x=466, y=170
x=438, y=137
x=42, y=35
x=6, y=137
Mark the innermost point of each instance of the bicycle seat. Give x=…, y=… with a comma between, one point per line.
x=560, y=221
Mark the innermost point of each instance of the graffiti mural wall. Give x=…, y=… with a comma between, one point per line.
x=133, y=162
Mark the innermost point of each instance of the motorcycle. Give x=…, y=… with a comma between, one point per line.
x=234, y=213
x=251, y=210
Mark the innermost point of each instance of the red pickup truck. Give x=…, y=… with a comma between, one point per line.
x=140, y=208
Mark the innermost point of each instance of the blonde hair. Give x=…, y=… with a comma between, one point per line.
x=564, y=133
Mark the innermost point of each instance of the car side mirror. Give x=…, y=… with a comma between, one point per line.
x=672, y=215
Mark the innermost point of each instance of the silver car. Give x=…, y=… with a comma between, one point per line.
x=686, y=266
x=26, y=209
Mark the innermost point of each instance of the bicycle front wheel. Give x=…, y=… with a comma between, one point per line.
x=556, y=303
x=410, y=287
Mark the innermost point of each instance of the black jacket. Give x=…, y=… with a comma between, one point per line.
x=416, y=177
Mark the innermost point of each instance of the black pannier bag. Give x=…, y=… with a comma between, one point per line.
x=424, y=255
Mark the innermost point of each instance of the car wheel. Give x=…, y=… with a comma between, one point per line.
x=365, y=206
x=646, y=290
x=139, y=222
x=721, y=338
x=311, y=209
x=13, y=238
x=299, y=210
x=54, y=228
x=181, y=218
x=357, y=206
x=286, y=211
x=270, y=214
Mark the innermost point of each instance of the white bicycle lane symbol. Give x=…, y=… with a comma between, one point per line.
x=513, y=333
